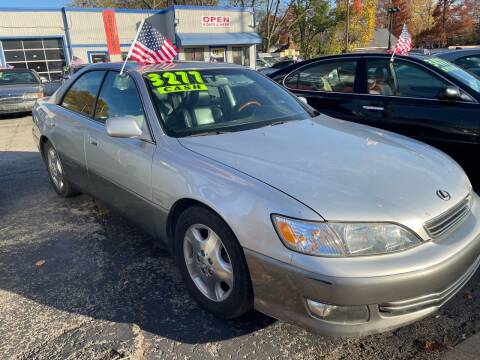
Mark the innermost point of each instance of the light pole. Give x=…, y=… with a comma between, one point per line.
x=391, y=11
x=347, y=27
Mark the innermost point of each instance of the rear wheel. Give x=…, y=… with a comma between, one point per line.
x=212, y=263
x=56, y=173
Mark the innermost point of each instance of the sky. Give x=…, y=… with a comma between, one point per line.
x=34, y=3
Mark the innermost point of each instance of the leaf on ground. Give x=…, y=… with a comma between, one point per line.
x=447, y=343
x=429, y=345
x=40, y=263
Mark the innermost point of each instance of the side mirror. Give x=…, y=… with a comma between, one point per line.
x=123, y=127
x=450, y=93
x=303, y=99
x=43, y=80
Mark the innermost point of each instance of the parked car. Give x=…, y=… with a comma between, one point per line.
x=427, y=98
x=19, y=89
x=337, y=227
x=262, y=63
x=277, y=66
x=468, y=59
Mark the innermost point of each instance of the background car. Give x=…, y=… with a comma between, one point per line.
x=277, y=66
x=19, y=90
x=468, y=59
x=429, y=99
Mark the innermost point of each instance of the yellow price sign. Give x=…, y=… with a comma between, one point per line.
x=177, y=81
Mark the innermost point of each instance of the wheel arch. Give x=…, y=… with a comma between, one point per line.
x=43, y=141
x=179, y=207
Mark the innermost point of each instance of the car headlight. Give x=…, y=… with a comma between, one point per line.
x=343, y=239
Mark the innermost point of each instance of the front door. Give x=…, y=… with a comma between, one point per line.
x=404, y=97
x=120, y=168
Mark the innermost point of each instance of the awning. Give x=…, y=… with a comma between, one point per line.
x=237, y=38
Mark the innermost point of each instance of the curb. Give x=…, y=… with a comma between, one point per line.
x=466, y=350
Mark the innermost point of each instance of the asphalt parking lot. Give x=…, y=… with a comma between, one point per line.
x=79, y=282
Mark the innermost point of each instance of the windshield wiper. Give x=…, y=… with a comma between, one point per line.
x=278, y=123
x=214, y=132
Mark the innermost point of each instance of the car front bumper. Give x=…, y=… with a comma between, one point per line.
x=16, y=107
x=281, y=290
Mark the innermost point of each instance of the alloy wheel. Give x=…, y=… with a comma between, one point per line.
x=55, y=168
x=208, y=262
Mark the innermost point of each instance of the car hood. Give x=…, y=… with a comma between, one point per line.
x=18, y=90
x=342, y=170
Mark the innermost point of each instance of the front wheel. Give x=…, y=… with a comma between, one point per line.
x=56, y=173
x=212, y=263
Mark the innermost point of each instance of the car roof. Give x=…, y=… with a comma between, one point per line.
x=17, y=70
x=456, y=54
x=176, y=65
x=338, y=56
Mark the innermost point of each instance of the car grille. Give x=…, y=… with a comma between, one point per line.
x=429, y=300
x=11, y=100
x=447, y=221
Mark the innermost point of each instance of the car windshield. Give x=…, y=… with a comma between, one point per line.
x=455, y=71
x=193, y=102
x=17, y=77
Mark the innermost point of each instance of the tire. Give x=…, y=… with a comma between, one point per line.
x=226, y=295
x=56, y=173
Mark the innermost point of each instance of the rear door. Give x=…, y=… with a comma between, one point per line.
x=68, y=125
x=120, y=168
x=330, y=86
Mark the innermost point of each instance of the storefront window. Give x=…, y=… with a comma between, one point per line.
x=246, y=56
x=241, y=55
x=237, y=55
x=194, y=54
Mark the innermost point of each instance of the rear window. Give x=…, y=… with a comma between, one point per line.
x=17, y=77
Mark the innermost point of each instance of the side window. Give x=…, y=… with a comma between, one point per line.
x=380, y=79
x=470, y=63
x=414, y=81
x=402, y=78
x=119, y=97
x=81, y=95
x=327, y=76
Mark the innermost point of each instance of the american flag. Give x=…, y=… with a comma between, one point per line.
x=404, y=43
x=152, y=47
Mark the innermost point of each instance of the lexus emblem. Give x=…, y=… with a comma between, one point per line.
x=443, y=194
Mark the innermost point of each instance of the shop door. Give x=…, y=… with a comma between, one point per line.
x=217, y=54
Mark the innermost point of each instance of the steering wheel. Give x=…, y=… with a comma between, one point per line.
x=247, y=104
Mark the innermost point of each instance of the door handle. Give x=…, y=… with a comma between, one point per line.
x=93, y=141
x=373, y=108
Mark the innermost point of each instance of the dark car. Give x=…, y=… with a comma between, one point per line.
x=19, y=89
x=282, y=64
x=468, y=59
x=429, y=99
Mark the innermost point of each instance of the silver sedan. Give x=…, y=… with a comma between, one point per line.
x=340, y=228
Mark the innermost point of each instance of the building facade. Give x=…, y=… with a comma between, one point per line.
x=46, y=40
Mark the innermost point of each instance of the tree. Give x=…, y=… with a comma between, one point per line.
x=310, y=22
x=453, y=24
x=361, y=25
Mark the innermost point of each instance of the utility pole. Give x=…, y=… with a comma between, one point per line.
x=347, y=27
x=391, y=12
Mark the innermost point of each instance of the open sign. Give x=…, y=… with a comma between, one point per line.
x=216, y=21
